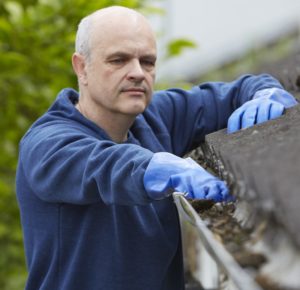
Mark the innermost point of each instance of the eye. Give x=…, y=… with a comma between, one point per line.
x=117, y=61
x=148, y=63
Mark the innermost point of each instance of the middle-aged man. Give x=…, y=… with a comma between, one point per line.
x=97, y=170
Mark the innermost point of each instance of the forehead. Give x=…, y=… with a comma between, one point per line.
x=131, y=36
x=126, y=47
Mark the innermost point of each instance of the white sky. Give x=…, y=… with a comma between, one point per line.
x=221, y=29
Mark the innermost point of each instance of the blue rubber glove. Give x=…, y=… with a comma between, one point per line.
x=266, y=104
x=167, y=173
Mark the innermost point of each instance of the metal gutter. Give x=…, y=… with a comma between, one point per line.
x=237, y=276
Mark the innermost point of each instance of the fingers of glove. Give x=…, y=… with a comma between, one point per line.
x=263, y=113
x=212, y=192
x=213, y=189
x=249, y=116
x=234, y=121
x=276, y=110
x=201, y=192
x=269, y=110
x=218, y=192
x=226, y=195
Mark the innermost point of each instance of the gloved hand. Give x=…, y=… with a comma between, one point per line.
x=167, y=173
x=266, y=104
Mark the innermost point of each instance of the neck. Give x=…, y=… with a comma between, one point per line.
x=116, y=126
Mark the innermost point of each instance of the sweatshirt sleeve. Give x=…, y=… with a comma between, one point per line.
x=189, y=115
x=61, y=164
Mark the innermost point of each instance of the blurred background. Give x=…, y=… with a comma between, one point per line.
x=222, y=31
x=198, y=40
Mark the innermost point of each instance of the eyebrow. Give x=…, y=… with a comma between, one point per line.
x=129, y=55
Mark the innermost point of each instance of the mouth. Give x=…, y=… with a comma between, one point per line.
x=134, y=90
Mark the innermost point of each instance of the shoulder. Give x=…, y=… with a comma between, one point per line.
x=62, y=121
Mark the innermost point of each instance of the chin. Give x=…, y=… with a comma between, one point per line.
x=137, y=111
x=137, y=108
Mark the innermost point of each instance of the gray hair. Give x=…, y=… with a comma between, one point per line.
x=83, y=36
x=84, y=31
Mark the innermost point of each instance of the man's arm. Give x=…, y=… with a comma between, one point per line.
x=61, y=164
x=69, y=167
x=187, y=116
x=212, y=103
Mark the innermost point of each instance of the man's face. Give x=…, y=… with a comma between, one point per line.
x=121, y=69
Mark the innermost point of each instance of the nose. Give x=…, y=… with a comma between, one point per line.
x=136, y=72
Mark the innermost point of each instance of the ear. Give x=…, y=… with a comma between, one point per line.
x=79, y=67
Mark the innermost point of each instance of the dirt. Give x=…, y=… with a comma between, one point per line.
x=220, y=219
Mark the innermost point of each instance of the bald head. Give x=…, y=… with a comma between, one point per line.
x=97, y=27
x=115, y=65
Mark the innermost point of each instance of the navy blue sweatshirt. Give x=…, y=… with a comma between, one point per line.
x=88, y=223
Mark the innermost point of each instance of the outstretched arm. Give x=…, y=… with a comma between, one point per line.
x=61, y=164
x=187, y=116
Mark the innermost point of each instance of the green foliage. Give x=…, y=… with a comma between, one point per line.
x=36, y=44
x=176, y=46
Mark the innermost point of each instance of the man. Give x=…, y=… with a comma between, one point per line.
x=97, y=170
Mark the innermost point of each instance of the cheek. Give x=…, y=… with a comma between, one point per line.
x=151, y=78
x=103, y=82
